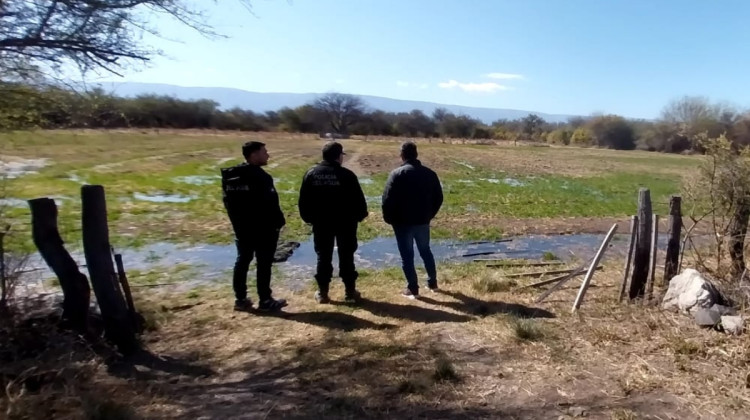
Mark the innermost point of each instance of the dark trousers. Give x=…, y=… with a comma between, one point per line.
x=345, y=236
x=262, y=245
x=406, y=236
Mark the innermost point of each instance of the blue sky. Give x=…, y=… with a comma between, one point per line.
x=628, y=57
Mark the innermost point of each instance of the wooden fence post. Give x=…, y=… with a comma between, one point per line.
x=3, y=279
x=123, y=277
x=641, y=255
x=629, y=257
x=673, y=244
x=652, y=260
x=74, y=284
x=96, y=248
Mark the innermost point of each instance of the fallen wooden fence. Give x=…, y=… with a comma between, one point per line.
x=492, y=262
x=541, y=273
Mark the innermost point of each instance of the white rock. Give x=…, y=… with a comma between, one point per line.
x=732, y=324
x=689, y=291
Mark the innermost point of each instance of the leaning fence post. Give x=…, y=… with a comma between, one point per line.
x=3, y=278
x=673, y=243
x=592, y=268
x=96, y=248
x=642, y=245
x=652, y=261
x=629, y=257
x=123, y=277
x=74, y=284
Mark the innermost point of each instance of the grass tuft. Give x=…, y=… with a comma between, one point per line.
x=527, y=329
x=444, y=371
x=488, y=284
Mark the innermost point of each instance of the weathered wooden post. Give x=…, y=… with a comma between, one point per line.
x=3, y=278
x=652, y=261
x=74, y=284
x=123, y=277
x=629, y=257
x=673, y=242
x=642, y=245
x=96, y=248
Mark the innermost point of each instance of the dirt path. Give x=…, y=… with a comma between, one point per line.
x=352, y=162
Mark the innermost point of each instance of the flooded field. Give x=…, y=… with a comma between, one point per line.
x=211, y=264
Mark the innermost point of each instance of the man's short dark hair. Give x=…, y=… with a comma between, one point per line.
x=409, y=150
x=251, y=147
x=332, y=151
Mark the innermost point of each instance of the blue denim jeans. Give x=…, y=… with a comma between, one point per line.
x=406, y=235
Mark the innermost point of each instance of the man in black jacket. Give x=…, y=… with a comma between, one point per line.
x=332, y=201
x=412, y=197
x=252, y=204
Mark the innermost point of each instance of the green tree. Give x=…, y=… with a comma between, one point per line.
x=532, y=125
x=612, y=131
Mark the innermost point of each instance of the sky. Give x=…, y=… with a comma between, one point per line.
x=627, y=57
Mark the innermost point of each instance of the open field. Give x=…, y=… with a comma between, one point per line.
x=480, y=348
x=490, y=191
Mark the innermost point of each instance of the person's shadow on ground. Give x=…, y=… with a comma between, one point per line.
x=410, y=312
x=333, y=320
x=155, y=366
x=336, y=321
x=474, y=306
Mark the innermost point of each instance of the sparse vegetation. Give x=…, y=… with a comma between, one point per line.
x=624, y=414
x=390, y=356
x=491, y=284
x=444, y=370
x=526, y=329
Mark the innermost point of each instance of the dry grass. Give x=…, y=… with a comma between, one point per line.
x=461, y=353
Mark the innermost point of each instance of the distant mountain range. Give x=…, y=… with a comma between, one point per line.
x=272, y=101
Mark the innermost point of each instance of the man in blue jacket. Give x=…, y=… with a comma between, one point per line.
x=332, y=201
x=412, y=197
x=252, y=204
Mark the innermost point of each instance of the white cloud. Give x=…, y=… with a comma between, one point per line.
x=424, y=86
x=487, y=87
x=401, y=83
x=340, y=81
x=504, y=76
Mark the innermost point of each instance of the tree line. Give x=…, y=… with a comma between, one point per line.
x=679, y=128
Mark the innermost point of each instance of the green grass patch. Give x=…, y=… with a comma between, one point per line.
x=185, y=168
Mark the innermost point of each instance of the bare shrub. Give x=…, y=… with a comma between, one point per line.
x=718, y=198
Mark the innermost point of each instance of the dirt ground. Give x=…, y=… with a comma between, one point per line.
x=477, y=349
